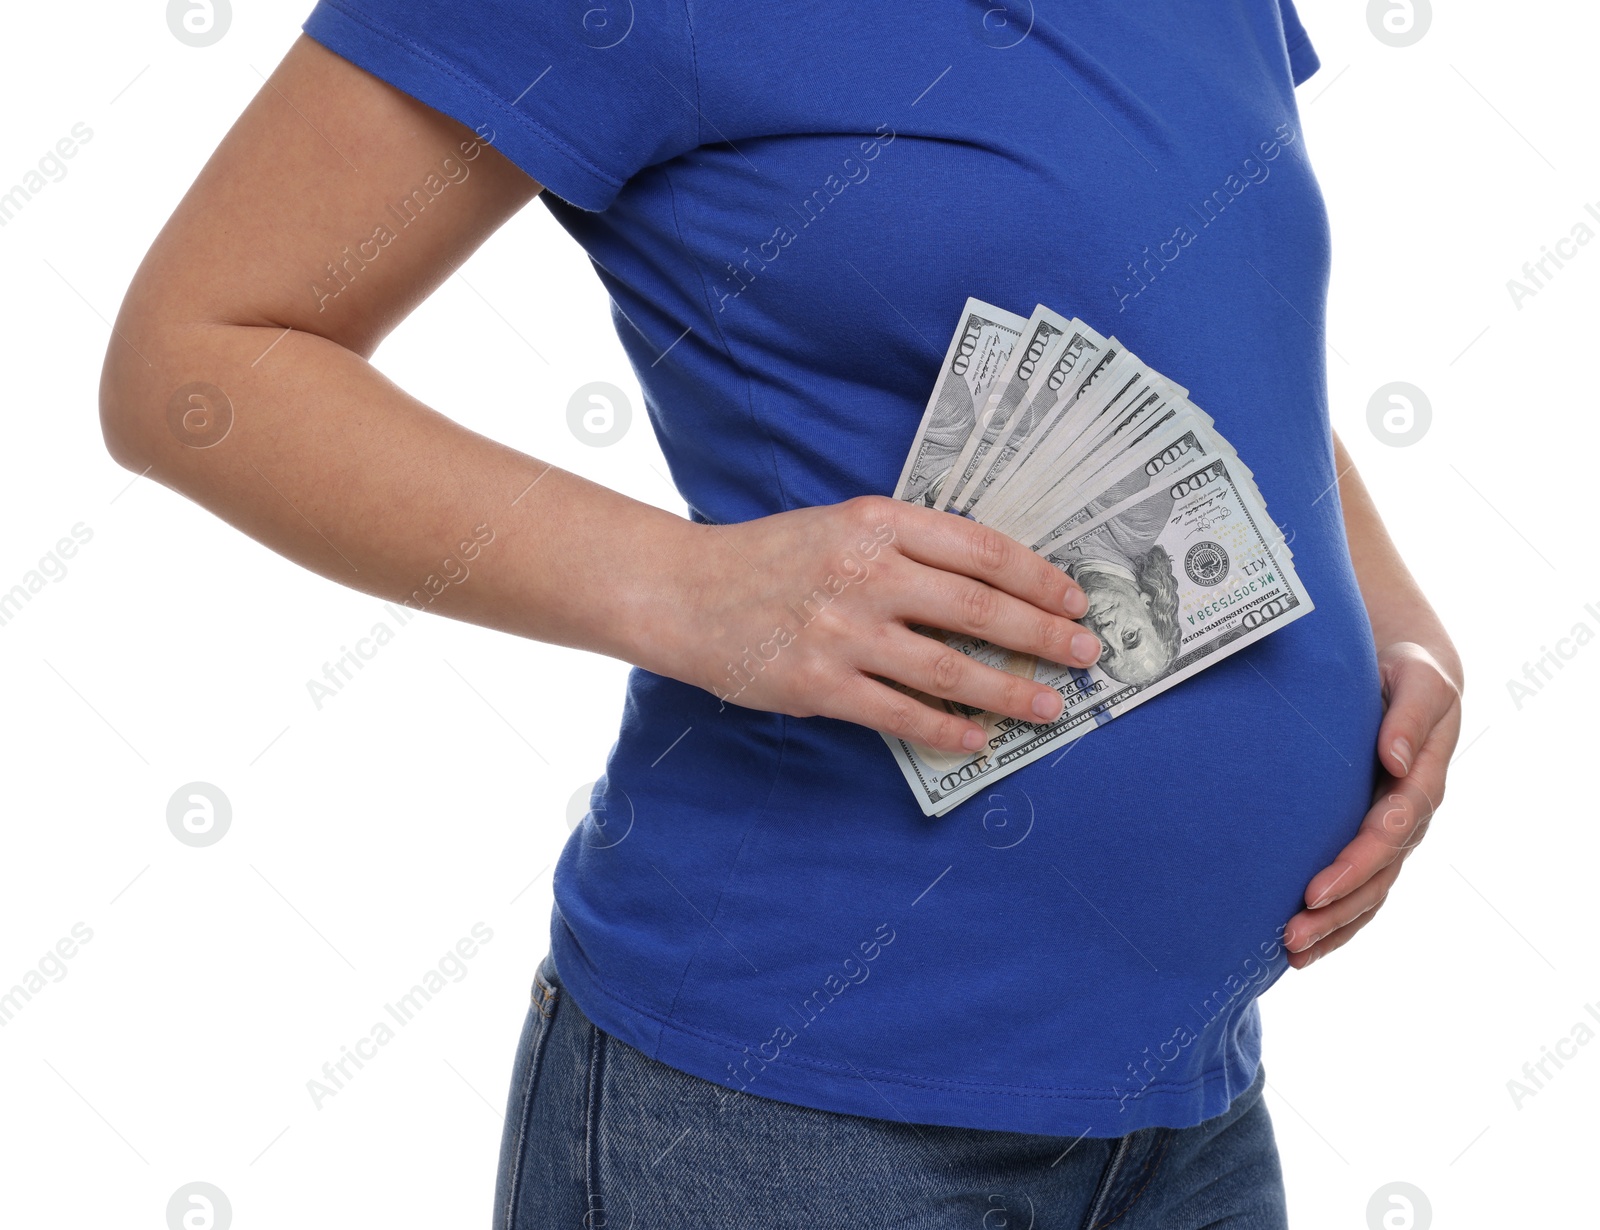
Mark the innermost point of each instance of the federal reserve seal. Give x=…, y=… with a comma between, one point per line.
x=1206, y=563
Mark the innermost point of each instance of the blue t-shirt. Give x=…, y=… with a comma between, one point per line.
x=789, y=205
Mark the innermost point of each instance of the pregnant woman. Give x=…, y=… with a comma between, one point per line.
x=777, y=994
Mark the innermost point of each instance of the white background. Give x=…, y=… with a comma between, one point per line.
x=432, y=792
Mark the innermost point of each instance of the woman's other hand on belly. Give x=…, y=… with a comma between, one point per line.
x=1421, y=723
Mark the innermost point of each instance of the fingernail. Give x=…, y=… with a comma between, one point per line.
x=1076, y=602
x=972, y=740
x=1047, y=705
x=1402, y=752
x=1321, y=898
x=1085, y=648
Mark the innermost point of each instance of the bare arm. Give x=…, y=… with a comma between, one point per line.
x=326, y=461
x=330, y=464
x=1396, y=606
x=1422, y=681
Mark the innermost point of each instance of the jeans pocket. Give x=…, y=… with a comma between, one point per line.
x=544, y=997
x=546, y=987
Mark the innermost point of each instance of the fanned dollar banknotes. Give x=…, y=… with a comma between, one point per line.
x=1070, y=443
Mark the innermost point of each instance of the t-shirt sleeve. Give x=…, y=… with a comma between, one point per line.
x=1303, y=58
x=580, y=96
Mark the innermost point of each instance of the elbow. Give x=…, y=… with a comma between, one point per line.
x=144, y=408
x=119, y=423
x=160, y=398
x=129, y=383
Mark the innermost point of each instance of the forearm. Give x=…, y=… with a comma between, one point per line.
x=333, y=466
x=1396, y=605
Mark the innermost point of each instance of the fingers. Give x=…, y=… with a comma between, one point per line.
x=1310, y=930
x=1420, y=698
x=1334, y=940
x=954, y=544
x=933, y=667
x=1424, y=714
x=961, y=604
x=1393, y=824
x=860, y=698
x=980, y=582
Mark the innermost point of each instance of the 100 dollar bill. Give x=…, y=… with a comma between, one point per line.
x=1179, y=576
x=972, y=362
x=1034, y=351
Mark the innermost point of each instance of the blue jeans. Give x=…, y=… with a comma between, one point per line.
x=599, y=1136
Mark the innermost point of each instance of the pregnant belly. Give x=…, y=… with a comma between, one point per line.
x=1201, y=828
x=1183, y=834
x=1103, y=894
